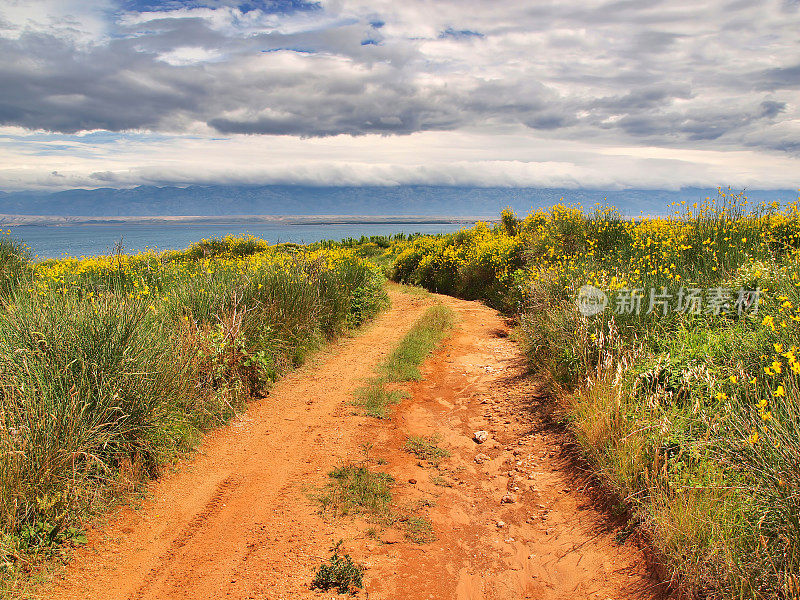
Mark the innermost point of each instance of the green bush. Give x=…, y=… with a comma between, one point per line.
x=340, y=572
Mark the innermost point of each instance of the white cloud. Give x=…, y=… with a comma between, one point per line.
x=592, y=93
x=441, y=158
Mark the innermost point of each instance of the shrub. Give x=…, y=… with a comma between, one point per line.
x=339, y=572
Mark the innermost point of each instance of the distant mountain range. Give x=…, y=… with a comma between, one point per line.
x=366, y=200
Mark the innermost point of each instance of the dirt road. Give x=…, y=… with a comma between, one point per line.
x=237, y=521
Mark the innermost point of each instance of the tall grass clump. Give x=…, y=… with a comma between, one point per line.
x=112, y=366
x=682, y=392
x=14, y=259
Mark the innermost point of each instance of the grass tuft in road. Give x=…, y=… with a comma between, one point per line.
x=375, y=399
x=354, y=489
x=419, y=530
x=426, y=448
x=403, y=364
x=419, y=342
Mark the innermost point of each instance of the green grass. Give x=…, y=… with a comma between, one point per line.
x=419, y=530
x=353, y=489
x=376, y=400
x=426, y=448
x=415, y=290
x=403, y=363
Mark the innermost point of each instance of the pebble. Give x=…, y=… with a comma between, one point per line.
x=481, y=458
x=480, y=436
x=500, y=524
x=508, y=499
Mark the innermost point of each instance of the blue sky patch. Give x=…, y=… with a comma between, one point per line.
x=267, y=6
x=460, y=34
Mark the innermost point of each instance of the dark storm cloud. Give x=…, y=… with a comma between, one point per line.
x=49, y=84
x=655, y=72
x=780, y=78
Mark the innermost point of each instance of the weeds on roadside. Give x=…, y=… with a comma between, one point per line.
x=340, y=572
x=112, y=366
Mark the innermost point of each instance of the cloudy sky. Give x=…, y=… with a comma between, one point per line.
x=97, y=93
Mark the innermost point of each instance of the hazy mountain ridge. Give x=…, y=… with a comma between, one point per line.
x=363, y=200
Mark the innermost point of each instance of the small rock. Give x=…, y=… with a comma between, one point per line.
x=480, y=436
x=412, y=481
x=500, y=524
x=481, y=458
x=508, y=499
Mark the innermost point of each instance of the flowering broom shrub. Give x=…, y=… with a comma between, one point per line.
x=680, y=381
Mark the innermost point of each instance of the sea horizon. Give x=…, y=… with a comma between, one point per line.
x=84, y=239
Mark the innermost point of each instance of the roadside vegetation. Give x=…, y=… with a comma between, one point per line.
x=113, y=366
x=683, y=390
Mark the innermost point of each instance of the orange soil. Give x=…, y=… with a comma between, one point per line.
x=237, y=521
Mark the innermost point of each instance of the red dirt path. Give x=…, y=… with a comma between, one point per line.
x=236, y=521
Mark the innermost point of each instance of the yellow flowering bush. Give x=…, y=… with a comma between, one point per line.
x=683, y=389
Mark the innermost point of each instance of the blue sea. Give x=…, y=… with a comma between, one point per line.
x=91, y=240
